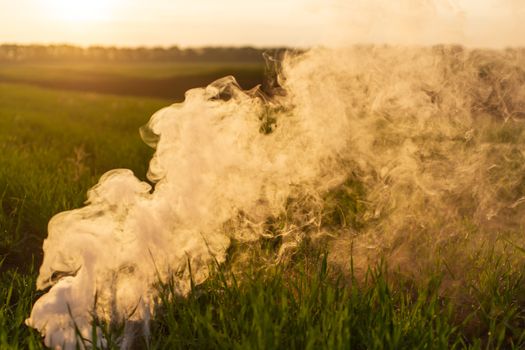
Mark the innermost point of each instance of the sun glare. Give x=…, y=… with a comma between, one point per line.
x=79, y=10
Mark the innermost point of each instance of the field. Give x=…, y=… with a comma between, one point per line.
x=151, y=79
x=63, y=126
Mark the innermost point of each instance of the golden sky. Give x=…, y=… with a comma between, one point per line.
x=263, y=23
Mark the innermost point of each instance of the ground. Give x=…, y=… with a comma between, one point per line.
x=63, y=126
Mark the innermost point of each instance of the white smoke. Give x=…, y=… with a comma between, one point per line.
x=434, y=136
x=221, y=153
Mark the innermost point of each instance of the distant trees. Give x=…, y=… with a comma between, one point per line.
x=25, y=53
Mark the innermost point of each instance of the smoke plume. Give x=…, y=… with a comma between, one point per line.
x=427, y=142
x=223, y=153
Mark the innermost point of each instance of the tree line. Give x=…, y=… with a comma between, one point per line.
x=27, y=53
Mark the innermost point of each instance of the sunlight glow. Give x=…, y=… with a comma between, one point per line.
x=302, y=23
x=79, y=10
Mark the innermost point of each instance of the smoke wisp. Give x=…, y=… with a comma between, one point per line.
x=432, y=137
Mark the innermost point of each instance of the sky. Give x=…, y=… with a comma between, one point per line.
x=300, y=23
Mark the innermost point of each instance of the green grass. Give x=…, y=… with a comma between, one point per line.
x=55, y=144
x=17, y=293
x=307, y=310
x=306, y=305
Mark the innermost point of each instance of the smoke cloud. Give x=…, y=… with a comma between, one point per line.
x=429, y=143
x=434, y=137
x=220, y=154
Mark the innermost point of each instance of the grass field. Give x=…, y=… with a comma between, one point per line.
x=164, y=80
x=55, y=144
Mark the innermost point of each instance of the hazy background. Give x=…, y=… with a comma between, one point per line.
x=494, y=23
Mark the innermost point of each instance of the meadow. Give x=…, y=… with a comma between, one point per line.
x=63, y=126
x=147, y=79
